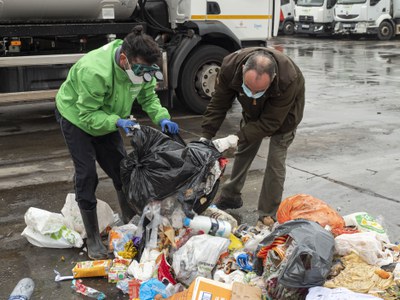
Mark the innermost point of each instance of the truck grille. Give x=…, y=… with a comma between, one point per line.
x=347, y=17
x=306, y=19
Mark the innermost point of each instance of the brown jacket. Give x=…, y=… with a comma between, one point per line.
x=279, y=110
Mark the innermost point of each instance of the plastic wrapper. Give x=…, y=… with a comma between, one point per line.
x=235, y=276
x=322, y=293
x=158, y=167
x=235, y=244
x=148, y=225
x=302, y=206
x=367, y=223
x=198, y=257
x=151, y=288
x=92, y=268
x=366, y=245
x=164, y=271
x=129, y=251
x=80, y=288
x=119, y=236
x=144, y=269
x=118, y=270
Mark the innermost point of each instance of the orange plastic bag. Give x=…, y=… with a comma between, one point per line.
x=303, y=206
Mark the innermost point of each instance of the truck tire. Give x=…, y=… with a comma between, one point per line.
x=385, y=31
x=288, y=28
x=198, y=75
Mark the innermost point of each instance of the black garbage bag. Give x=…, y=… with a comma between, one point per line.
x=158, y=167
x=307, y=261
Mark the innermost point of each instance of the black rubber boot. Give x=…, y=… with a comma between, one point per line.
x=95, y=247
x=126, y=211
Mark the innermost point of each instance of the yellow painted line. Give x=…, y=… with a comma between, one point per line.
x=231, y=17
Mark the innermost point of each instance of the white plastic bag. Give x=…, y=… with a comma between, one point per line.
x=235, y=276
x=47, y=229
x=367, y=223
x=366, y=245
x=198, y=257
x=322, y=293
x=73, y=218
x=145, y=269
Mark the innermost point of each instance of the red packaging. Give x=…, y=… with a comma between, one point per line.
x=134, y=287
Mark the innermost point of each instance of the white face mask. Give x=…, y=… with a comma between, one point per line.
x=133, y=78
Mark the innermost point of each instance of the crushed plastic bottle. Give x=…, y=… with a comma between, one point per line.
x=23, y=290
x=209, y=225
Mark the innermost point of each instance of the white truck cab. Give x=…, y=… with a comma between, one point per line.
x=374, y=17
x=314, y=17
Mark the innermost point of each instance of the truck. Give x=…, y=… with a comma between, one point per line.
x=314, y=17
x=41, y=39
x=368, y=17
x=286, y=24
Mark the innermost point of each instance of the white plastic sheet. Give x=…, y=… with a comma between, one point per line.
x=321, y=293
x=73, y=218
x=198, y=257
x=47, y=229
x=366, y=245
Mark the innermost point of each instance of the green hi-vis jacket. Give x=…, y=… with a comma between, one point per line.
x=97, y=92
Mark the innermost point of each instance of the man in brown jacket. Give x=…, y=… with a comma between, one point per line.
x=270, y=88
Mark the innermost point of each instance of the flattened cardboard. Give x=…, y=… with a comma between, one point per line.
x=241, y=291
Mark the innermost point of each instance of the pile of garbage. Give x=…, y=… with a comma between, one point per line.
x=311, y=252
x=181, y=248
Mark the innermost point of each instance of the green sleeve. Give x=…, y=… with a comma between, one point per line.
x=92, y=90
x=150, y=103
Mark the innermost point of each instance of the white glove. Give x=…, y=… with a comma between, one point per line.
x=227, y=142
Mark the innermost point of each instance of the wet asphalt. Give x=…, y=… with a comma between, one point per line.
x=346, y=153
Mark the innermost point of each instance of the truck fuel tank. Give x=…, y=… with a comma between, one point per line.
x=45, y=10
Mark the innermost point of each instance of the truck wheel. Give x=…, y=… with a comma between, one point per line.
x=288, y=28
x=385, y=31
x=198, y=75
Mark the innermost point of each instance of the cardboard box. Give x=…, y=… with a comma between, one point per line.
x=205, y=289
x=242, y=291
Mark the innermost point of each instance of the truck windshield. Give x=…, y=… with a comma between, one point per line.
x=310, y=2
x=350, y=1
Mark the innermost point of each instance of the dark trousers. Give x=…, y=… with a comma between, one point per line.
x=108, y=150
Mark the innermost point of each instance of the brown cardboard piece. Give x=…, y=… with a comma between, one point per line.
x=242, y=291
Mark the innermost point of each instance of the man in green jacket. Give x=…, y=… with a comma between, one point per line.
x=92, y=103
x=270, y=88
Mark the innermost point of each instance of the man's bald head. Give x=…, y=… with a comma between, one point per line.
x=259, y=72
x=262, y=63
